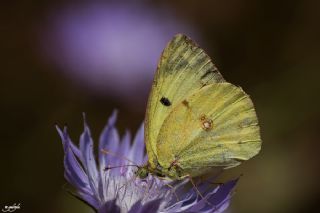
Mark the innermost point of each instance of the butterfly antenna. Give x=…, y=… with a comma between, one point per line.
x=108, y=152
x=113, y=167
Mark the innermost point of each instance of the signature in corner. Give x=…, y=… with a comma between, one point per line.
x=11, y=208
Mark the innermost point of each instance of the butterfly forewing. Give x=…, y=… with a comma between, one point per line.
x=183, y=69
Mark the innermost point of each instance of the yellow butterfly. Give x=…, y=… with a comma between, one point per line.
x=195, y=120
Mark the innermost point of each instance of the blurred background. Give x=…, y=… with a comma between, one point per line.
x=62, y=58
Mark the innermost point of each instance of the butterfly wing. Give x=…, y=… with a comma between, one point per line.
x=183, y=69
x=216, y=126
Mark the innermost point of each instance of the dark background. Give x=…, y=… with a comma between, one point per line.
x=270, y=48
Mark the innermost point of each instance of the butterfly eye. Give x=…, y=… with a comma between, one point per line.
x=165, y=101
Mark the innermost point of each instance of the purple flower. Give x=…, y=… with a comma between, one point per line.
x=117, y=189
x=101, y=45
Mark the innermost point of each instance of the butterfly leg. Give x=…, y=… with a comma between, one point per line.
x=173, y=190
x=197, y=190
x=170, y=186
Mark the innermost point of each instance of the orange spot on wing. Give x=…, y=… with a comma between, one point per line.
x=206, y=123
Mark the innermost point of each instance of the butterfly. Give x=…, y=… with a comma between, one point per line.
x=195, y=120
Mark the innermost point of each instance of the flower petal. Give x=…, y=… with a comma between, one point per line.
x=109, y=206
x=89, y=199
x=216, y=198
x=73, y=170
x=149, y=207
x=73, y=147
x=77, y=177
x=223, y=192
x=182, y=205
x=121, y=153
x=221, y=207
x=136, y=207
x=89, y=162
x=109, y=140
x=66, y=139
x=61, y=136
x=137, y=149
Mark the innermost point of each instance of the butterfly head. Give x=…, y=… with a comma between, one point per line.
x=142, y=172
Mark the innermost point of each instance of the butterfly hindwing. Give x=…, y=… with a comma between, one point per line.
x=183, y=69
x=214, y=127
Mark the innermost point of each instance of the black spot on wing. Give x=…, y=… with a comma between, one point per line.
x=165, y=101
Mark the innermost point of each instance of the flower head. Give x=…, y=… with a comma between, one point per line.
x=111, y=185
x=101, y=44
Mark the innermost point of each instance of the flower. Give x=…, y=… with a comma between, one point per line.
x=111, y=185
x=100, y=45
